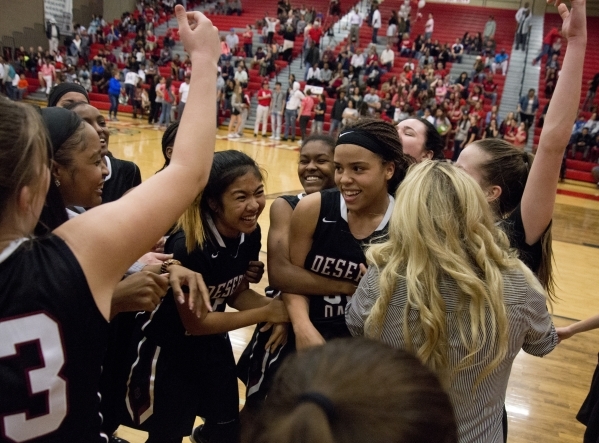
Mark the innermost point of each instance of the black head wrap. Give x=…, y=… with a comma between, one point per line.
x=61, y=89
x=61, y=124
x=365, y=139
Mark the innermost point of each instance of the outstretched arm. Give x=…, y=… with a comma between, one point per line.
x=575, y=328
x=109, y=238
x=539, y=195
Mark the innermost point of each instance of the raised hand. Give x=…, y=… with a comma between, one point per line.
x=574, y=24
x=198, y=35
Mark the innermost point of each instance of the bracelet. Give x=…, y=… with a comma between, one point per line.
x=167, y=263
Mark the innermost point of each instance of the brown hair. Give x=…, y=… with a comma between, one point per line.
x=24, y=149
x=508, y=167
x=390, y=141
x=363, y=391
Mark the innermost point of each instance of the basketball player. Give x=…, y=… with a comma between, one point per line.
x=329, y=228
x=56, y=292
x=183, y=367
x=521, y=191
x=267, y=348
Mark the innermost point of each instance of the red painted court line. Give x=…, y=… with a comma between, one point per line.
x=578, y=194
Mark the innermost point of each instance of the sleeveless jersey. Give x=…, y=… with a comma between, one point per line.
x=175, y=376
x=336, y=253
x=52, y=343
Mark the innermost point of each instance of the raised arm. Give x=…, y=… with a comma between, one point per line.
x=538, y=200
x=107, y=239
x=284, y=275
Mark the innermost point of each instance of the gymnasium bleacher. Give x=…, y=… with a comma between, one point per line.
x=576, y=168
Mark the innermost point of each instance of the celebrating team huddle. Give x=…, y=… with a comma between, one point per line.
x=451, y=262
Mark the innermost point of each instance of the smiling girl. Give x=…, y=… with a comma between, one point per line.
x=219, y=238
x=329, y=228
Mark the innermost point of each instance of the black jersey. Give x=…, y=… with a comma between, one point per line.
x=336, y=253
x=175, y=376
x=52, y=343
x=124, y=175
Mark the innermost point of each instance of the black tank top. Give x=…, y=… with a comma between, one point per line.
x=52, y=344
x=337, y=253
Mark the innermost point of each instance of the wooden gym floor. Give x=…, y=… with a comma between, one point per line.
x=543, y=395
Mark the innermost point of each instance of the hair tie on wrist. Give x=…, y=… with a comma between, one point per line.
x=322, y=401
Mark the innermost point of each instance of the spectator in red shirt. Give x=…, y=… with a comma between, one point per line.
x=248, y=37
x=315, y=33
x=264, y=98
x=305, y=112
x=548, y=42
x=490, y=89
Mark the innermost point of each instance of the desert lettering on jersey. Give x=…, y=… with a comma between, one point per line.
x=336, y=267
x=225, y=289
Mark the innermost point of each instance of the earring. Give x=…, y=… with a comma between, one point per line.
x=57, y=182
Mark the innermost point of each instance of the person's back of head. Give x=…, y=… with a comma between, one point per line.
x=350, y=391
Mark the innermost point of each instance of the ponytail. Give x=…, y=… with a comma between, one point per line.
x=192, y=225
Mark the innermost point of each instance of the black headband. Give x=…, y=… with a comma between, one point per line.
x=322, y=401
x=62, y=88
x=61, y=124
x=363, y=139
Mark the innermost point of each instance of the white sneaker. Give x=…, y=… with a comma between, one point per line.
x=230, y=135
x=277, y=138
x=272, y=137
x=236, y=136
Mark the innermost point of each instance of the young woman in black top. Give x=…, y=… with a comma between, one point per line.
x=57, y=291
x=329, y=228
x=180, y=366
x=522, y=191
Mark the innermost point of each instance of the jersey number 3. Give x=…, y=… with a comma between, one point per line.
x=44, y=330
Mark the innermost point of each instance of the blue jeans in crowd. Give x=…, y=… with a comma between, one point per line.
x=114, y=104
x=290, y=118
x=165, y=116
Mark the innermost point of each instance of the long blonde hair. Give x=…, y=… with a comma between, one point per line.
x=442, y=228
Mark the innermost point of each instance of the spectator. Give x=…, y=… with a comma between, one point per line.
x=492, y=130
x=590, y=97
x=150, y=41
x=248, y=38
x=548, y=42
x=166, y=56
x=131, y=79
x=325, y=75
x=53, y=35
x=527, y=107
x=372, y=100
x=355, y=22
x=258, y=56
x=552, y=63
x=461, y=135
x=406, y=46
x=245, y=110
x=376, y=22
x=277, y=106
x=264, y=96
x=592, y=125
x=114, y=90
x=312, y=58
x=490, y=89
x=582, y=142
x=295, y=97
x=441, y=123
x=350, y=113
x=388, y=57
x=227, y=71
x=490, y=29
x=500, y=61
x=337, y=113
x=320, y=110
x=305, y=112
x=183, y=93
x=241, y=76
x=429, y=27
x=167, y=92
x=232, y=40
x=234, y=7
x=524, y=25
x=137, y=99
x=550, y=82
x=457, y=50
x=271, y=24
x=392, y=32
x=236, y=108
x=315, y=33
x=289, y=34
x=357, y=61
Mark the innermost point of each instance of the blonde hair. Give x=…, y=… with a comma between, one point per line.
x=442, y=227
